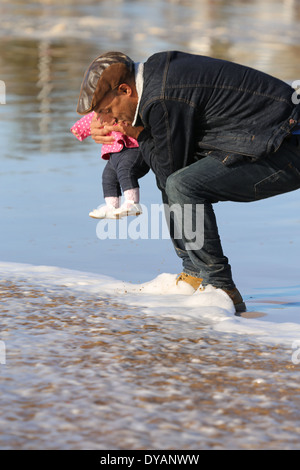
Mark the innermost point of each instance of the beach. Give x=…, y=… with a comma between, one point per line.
x=98, y=349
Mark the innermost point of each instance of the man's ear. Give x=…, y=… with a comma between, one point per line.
x=125, y=89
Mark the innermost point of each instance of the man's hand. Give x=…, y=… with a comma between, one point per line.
x=99, y=132
x=125, y=129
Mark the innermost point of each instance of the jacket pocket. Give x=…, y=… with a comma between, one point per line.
x=227, y=158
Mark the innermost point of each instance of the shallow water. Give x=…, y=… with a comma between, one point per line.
x=88, y=368
x=85, y=372
x=93, y=363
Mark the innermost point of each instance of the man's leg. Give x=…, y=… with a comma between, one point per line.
x=208, y=262
x=178, y=243
x=209, y=180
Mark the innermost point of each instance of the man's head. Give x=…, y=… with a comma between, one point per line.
x=108, y=88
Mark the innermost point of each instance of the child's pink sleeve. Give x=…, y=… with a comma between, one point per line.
x=82, y=128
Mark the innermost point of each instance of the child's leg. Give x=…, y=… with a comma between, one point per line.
x=111, y=185
x=130, y=167
x=122, y=171
x=132, y=195
x=111, y=192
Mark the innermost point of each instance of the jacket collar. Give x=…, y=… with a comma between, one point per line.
x=139, y=83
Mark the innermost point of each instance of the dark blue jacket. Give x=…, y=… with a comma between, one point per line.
x=193, y=106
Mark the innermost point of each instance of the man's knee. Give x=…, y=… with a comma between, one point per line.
x=175, y=183
x=169, y=185
x=184, y=187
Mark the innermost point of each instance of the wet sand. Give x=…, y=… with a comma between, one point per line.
x=84, y=372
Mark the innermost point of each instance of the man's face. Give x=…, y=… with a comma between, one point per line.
x=118, y=106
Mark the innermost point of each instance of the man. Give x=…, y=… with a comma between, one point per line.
x=211, y=130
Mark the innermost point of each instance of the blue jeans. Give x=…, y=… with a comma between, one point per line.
x=208, y=181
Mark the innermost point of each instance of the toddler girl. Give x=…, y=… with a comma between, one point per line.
x=124, y=167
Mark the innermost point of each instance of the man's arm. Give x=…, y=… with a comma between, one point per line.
x=168, y=142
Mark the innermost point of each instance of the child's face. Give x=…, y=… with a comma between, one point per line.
x=118, y=106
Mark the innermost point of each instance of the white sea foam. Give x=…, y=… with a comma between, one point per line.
x=161, y=297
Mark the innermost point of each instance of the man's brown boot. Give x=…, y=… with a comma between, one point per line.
x=237, y=299
x=234, y=294
x=195, y=282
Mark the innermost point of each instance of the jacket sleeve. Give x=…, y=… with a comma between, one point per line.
x=167, y=143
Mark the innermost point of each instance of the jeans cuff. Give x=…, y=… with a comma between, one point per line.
x=219, y=285
x=192, y=273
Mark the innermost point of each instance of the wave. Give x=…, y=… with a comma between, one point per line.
x=274, y=319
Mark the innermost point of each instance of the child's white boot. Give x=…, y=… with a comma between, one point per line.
x=104, y=212
x=128, y=208
x=131, y=204
x=107, y=211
